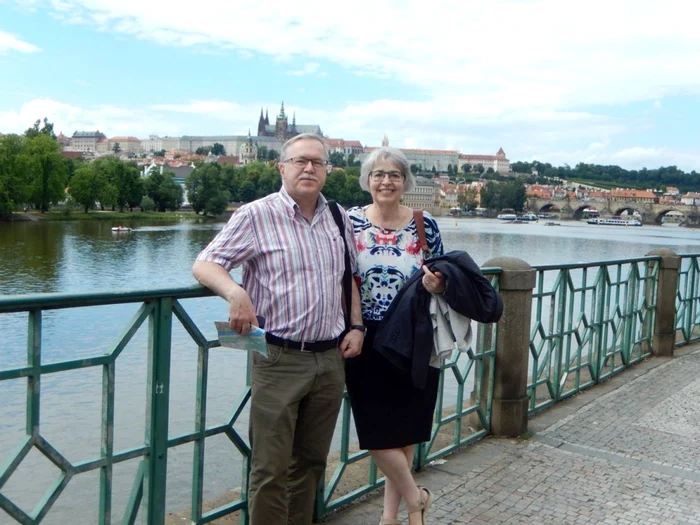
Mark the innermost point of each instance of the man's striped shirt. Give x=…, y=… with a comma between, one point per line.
x=292, y=269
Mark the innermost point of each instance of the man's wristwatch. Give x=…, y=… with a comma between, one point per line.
x=360, y=327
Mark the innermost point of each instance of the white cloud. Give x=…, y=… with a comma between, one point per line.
x=503, y=54
x=308, y=69
x=9, y=43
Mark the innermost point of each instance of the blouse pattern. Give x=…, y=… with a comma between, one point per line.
x=387, y=258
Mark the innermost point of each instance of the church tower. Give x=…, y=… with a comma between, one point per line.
x=281, y=125
x=248, y=151
x=385, y=141
x=261, y=125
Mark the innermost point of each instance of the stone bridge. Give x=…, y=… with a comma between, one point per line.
x=650, y=213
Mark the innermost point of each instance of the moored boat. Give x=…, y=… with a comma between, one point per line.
x=614, y=221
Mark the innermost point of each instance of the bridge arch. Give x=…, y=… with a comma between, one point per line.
x=659, y=217
x=630, y=211
x=577, y=214
x=550, y=207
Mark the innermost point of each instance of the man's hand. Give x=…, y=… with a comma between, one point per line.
x=351, y=345
x=241, y=312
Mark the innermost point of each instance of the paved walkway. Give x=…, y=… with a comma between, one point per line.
x=624, y=452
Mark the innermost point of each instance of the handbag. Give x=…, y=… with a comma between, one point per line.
x=420, y=230
x=347, y=275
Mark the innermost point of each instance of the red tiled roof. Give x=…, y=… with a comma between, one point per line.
x=125, y=139
x=228, y=159
x=71, y=154
x=424, y=151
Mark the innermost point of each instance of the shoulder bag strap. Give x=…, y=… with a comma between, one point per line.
x=420, y=230
x=347, y=277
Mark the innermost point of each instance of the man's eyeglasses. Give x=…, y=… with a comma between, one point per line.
x=378, y=175
x=302, y=162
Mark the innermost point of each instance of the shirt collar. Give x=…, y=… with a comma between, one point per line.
x=292, y=207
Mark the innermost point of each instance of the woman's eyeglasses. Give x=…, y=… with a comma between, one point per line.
x=378, y=175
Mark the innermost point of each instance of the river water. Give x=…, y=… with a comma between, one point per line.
x=86, y=256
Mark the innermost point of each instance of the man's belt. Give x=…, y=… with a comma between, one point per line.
x=304, y=346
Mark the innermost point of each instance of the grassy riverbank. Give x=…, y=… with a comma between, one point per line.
x=74, y=215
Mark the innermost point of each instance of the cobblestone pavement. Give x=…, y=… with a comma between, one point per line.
x=624, y=452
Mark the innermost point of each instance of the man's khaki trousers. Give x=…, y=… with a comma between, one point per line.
x=295, y=400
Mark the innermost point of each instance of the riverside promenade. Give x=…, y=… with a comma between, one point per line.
x=624, y=452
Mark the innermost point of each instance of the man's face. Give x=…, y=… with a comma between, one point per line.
x=304, y=180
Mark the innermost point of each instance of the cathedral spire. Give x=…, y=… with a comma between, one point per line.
x=385, y=141
x=282, y=110
x=267, y=119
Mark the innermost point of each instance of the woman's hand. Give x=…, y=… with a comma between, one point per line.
x=433, y=282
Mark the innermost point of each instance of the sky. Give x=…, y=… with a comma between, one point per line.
x=606, y=82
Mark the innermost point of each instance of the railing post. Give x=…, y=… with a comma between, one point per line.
x=510, y=401
x=665, y=325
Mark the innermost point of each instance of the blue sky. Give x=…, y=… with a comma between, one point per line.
x=609, y=82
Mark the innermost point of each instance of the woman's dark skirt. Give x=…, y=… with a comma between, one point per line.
x=389, y=411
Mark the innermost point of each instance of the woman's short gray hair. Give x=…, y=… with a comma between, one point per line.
x=393, y=155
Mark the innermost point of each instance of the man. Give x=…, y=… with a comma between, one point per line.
x=292, y=255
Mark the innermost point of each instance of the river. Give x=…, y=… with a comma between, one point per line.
x=86, y=256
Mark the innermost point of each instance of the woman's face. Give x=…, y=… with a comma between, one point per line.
x=386, y=182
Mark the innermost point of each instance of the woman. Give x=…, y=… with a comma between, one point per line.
x=391, y=415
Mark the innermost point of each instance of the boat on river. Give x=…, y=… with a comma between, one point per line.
x=121, y=229
x=614, y=221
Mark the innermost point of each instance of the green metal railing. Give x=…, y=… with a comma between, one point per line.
x=687, y=299
x=462, y=415
x=589, y=321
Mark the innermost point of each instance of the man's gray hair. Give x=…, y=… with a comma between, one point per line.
x=302, y=136
x=393, y=155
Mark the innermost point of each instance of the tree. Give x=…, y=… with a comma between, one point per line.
x=159, y=153
x=14, y=184
x=46, y=129
x=262, y=153
x=46, y=171
x=468, y=199
x=163, y=190
x=203, y=150
x=116, y=148
x=126, y=180
x=490, y=171
x=466, y=168
x=450, y=171
x=414, y=168
x=206, y=190
x=273, y=154
x=479, y=168
x=88, y=186
x=218, y=149
x=337, y=159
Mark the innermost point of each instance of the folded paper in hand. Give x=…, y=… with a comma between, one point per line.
x=255, y=340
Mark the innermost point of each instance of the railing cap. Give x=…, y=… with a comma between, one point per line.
x=516, y=274
x=669, y=258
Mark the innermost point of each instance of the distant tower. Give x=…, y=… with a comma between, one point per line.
x=261, y=124
x=248, y=151
x=267, y=119
x=385, y=141
x=281, y=125
x=293, y=131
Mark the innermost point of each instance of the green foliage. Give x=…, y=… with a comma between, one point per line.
x=125, y=179
x=88, y=186
x=337, y=159
x=615, y=176
x=14, y=186
x=163, y=190
x=500, y=195
x=147, y=204
x=203, y=150
x=35, y=130
x=46, y=169
x=466, y=168
x=450, y=170
x=159, y=153
x=116, y=148
x=218, y=149
x=206, y=190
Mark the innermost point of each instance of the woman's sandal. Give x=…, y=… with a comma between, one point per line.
x=423, y=506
